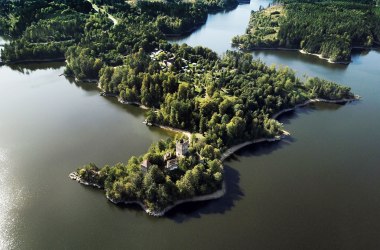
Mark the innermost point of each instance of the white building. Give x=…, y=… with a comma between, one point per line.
x=182, y=148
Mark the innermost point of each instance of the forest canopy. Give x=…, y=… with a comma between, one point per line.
x=329, y=28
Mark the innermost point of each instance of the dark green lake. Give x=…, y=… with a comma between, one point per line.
x=318, y=189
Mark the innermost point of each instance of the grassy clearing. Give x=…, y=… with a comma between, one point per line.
x=265, y=23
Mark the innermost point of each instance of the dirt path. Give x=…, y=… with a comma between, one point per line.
x=101, y=10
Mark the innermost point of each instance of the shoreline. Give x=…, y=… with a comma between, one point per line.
x=120, y=100
x=315, y=100
x=230, y=151
x=225, y=155
x=86, y=80
x=325, y=58
x=305, y=52
x=263, y=48
x=213, y=196
x=186, y=32
x=138, y=104
x=177, y=130
x=75, y=176
x=206, y=197
x=199, y=25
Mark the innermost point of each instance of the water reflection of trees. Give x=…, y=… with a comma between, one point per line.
x=92, y=89
x=289, y=56
x=27, y=68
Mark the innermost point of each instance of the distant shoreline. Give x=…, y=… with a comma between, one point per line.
x=305, y=52
x=324, y=58
x=316, y=100
x=185, y=33
x=298, y=50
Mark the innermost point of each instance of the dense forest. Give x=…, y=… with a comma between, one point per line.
x=41, y=29
x=200, y=172
x=222, y=101
x=228, y=99
x=46, y=29
x=329, y=28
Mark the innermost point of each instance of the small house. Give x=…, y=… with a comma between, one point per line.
x=171, y=164
x=145, y=165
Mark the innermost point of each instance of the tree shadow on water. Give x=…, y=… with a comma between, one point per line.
x=27, y=68
x=234, y=193
x=287, y=117
x=261, y=149
x=187, y=211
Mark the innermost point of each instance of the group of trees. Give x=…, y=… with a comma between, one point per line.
x=41, y=29
x=329, y=28
x=112, y=47
x=159, y=187
x=18, y=15
x=228, y=99
x=320, y=88
x=262, y=29
x=175, y=17
x=46, y=29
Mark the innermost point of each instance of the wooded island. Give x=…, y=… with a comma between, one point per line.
x=329, y=29
x=220, y=100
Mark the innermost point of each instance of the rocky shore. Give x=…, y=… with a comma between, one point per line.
x=215, y=195
x=324, y=58
x=140, y=105
x=177, y=130
x=75, y=176
x=206, y=197
x=86, y=80
x=230, y=151
x=301, y=51
x=284, y=134
x=316, y=100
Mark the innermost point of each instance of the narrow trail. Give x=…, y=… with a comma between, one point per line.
x=101, y=10
x=53, y=42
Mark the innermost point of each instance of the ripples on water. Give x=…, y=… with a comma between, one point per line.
x=10, y=198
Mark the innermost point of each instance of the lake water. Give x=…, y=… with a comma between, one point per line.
x=318, y=189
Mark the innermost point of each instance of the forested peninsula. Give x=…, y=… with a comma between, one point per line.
x=328, y=29
x=221, y=102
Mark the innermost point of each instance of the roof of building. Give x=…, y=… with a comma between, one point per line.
x=145, y=164
x=182, y=142
x=172, y=164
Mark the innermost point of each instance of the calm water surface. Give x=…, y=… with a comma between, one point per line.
x=221, y=27
x=318, y=189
